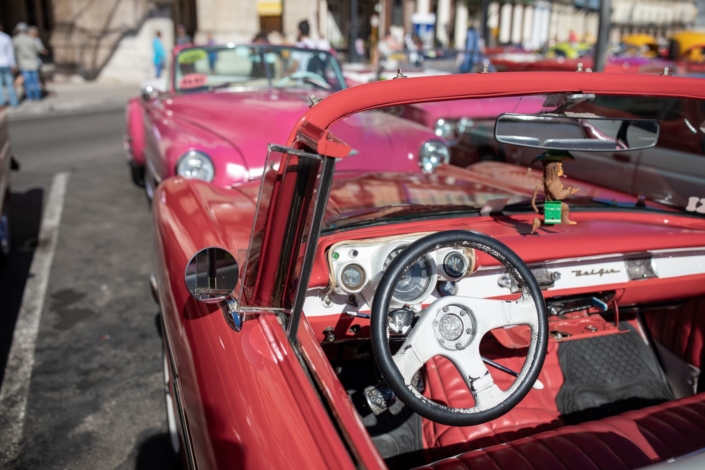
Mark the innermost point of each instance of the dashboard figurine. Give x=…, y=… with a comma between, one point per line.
x=555, y=211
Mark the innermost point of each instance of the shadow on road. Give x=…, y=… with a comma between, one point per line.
x=155, y=453
x=25, y=219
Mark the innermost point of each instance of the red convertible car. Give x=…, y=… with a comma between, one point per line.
x=223, y=104
x=333, y=318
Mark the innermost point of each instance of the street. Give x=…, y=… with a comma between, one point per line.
x=95, y=395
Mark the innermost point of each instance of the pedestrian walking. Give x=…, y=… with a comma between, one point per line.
x=159, y=53
x=212, y=56
x=472, y=53
x=7, y=68
x=27, y=51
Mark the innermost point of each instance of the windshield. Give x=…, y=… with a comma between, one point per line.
x=653, y=159
x=255, y=66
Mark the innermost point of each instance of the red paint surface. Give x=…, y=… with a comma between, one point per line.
x=247, y=400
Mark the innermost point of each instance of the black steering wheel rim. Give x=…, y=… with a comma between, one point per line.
x=379, y=326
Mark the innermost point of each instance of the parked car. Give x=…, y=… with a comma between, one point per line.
x=224, y=103
x=410, y=320
x=570, y=58
x=467, y=126
x=7, y=163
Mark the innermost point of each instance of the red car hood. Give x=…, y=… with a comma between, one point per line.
x=263, y=116
x=356, y=192
x=251, y=120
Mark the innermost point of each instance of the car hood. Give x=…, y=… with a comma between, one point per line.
x=354, y=193
x=247, y=120
x=251, y=120
x=478, y=109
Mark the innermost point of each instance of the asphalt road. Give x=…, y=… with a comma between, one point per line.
x=95, y=396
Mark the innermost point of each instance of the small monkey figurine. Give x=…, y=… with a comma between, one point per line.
x=555, y=212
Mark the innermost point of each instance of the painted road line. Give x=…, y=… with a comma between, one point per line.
x=15, y=386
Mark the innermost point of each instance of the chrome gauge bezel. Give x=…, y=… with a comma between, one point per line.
x=432, y=278
x=465, y=260
x=363, y=283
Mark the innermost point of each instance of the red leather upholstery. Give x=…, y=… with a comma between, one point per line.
x=536, y=413
x=681, y=331
x=627, y=441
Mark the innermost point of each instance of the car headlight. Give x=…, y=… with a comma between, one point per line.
x=452, y=128
x=432, y=154
x=444, y=128
x=464, y=125
x=194, y=164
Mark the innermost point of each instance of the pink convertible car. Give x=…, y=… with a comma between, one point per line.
x=224, y=104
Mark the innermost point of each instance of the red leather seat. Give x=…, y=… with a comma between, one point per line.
x=536, y=413
x=628, y=441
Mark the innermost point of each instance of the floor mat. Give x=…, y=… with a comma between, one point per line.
x=608, y=375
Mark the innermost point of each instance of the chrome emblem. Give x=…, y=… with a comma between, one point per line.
x=451, y=327
x=594, y=272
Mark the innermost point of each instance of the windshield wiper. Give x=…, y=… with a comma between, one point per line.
x=397, y=212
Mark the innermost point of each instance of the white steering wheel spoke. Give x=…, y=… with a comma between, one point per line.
x=477, y=378
x=419, y=347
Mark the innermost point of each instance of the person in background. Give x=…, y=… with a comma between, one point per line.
x=7, y=68
x=276, y=38
x=159, y=53
x=181, y=36
x=472, y=54
x=260, y=38
x=303, y=39
x=34, y=33
x=27, y=52
x=212, y=56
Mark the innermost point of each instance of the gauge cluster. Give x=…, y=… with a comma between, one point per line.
x=356, y=267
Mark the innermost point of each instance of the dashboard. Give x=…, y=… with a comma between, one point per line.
x=355, y=267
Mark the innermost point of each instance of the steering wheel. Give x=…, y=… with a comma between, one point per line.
x=311, y=77
x=453, y=327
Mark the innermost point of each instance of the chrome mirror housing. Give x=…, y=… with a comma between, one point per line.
x=211, y=275
x=149, y=93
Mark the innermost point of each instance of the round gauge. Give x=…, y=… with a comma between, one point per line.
x=415, y=280
x=455, y=265
x=352, y=277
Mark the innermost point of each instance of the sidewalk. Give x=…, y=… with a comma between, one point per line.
x=71, y=98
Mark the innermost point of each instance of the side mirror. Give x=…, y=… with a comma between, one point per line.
x=211, y=275
x=149, y=93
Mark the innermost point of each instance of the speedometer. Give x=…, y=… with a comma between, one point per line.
x=415, y=281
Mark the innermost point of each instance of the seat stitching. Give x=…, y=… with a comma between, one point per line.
x=621, y=434
x=568, y=436
x=644, y=422
x=540, y=441
x=660, y=419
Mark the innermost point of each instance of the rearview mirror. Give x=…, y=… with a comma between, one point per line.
x=211, y=275
x=574, y=132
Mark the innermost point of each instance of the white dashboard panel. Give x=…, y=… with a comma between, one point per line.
x=589, y=272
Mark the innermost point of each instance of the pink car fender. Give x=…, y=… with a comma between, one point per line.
x=134, y=128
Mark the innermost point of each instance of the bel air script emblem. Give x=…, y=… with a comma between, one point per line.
x=598, y=272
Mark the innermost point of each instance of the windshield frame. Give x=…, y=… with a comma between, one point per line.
x=261, y=50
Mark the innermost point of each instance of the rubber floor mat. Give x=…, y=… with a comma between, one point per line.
x=608, y=375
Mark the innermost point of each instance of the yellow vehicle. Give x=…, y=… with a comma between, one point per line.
x=643, y=45
x=682, y=45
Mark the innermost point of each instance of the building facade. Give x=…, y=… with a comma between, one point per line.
x=111, y=40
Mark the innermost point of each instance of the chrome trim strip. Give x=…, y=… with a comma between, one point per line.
x=292, y=151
